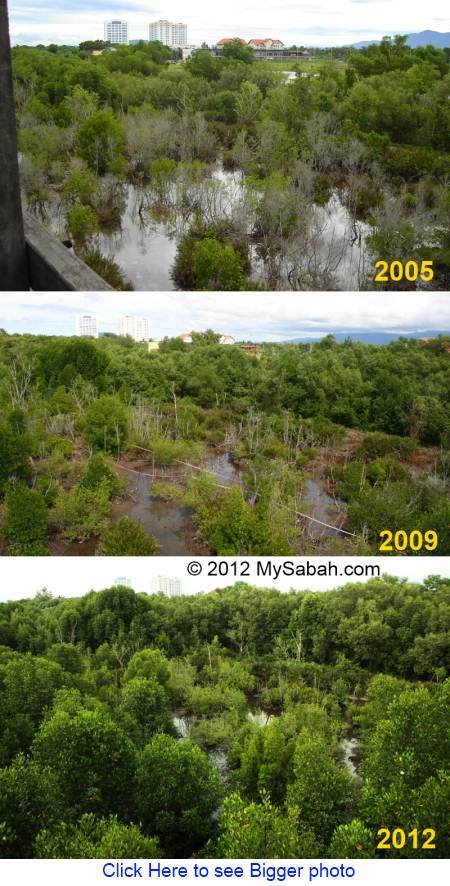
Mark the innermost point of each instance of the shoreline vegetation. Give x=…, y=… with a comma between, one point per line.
x=241, y=723
x=232, y=174
x=108, y=448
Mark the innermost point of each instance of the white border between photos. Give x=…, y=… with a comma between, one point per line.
x=22, y=577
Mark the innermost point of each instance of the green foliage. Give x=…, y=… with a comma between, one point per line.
x=342, y=128
x=404, y=770
x=263, y=831
x=178, y=793
x=105, y=778
x=126, y=539
x=353, y=481
x=145, y=702
x=320, y=789
x=92, y=758
x=265, y=764
x=202, y=64
x=106, y=268
x=99, y=473
x=14, y=450
x=405, y=504
x=149, y=664
x=230, y=525
x=81, y=221
x=216, y=267
x=82, y=511
x=223, y=517
x=321, y=430
x=80, y=186
x=68, y=656
x=100, y=141
x=165, y=451
x=378, y=445
x=235, y=49
x=63, y=361
x=106, y=424
x=353, y=840
x=210, y=257
x=37, y=680
x=94, y=837
x=29, y=800
x=248, y=103
x=26, y=518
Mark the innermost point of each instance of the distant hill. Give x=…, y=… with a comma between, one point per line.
x=423, y=38
x=369, y=338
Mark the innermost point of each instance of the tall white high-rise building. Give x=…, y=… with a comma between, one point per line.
x=116, y=32
x=170, y=33
x=136, y=327
x=163, y=584
x=86, y=326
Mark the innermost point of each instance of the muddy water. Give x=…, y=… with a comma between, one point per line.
x=170, y=522
x=82, y=548
x=323, y=508
x=222, y=468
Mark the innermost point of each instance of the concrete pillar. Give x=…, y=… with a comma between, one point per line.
x=13, y=259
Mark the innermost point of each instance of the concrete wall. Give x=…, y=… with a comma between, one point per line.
x=53, y=267
x=13, y=265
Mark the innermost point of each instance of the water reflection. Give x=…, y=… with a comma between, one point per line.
x=259, y=717
x=144, y=242
x=323, y=508
x=144, y=248
x=182, y=725
x=349, y=748
x=170, y=522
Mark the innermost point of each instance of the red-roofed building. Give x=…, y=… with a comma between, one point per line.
x=265, y=43
x=227, y=340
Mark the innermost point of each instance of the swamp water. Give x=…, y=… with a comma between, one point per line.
x=322, y=507
x=145, y=246
x=171, y=523
x=349, y=747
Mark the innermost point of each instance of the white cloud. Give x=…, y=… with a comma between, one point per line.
x=297, y=22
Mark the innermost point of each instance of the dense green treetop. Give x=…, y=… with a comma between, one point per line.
x=135, y=702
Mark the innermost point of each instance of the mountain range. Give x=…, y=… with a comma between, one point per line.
x=368, y=338
x=438, y=39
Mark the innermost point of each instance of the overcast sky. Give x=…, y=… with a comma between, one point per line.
x=322, y=23
x=251, y=316
x=75, y=577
